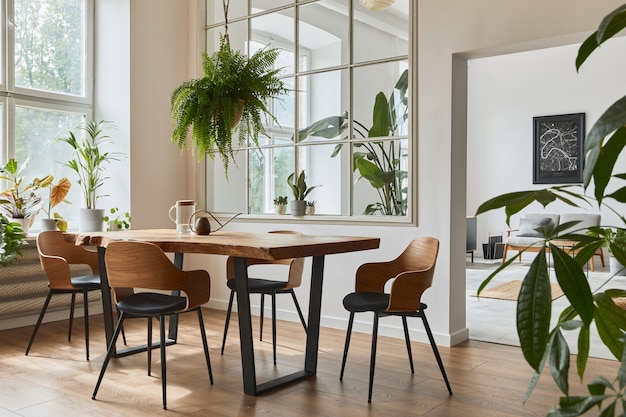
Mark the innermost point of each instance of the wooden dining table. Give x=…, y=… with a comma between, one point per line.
x=242, y=246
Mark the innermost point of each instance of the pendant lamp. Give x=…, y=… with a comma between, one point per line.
x=376, y=4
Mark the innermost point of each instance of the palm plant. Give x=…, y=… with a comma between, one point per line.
x=233, y=92
x=378, y=162
x=541, y=344
x=90, y=159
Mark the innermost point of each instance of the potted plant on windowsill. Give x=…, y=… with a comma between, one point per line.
x=89, y=163
x=20, y=203
x=310, y=208
x=116, y=220
x=56, y=196
x=300, y=192
x=232, y=93
x=280, y=203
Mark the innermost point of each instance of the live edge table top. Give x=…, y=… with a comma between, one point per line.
x=270, y=246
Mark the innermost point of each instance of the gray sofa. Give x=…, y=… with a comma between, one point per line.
x=527, y=238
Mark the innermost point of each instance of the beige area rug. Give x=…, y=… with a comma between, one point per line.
x=509, y=291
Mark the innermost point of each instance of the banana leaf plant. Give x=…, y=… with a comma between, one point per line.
x=378, y=162
x=542, y=345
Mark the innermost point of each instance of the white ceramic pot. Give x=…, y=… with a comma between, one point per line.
x=281, y=208
x=23, y=222
x=48, y=224
x=90, y=220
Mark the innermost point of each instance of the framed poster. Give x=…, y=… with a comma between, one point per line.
x=558, y=149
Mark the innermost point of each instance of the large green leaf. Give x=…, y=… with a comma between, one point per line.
x=605, y=163
x=327, y=128
x=534, y=307
x=584, y=337
x=612, y=119
x=573, y=282
x=576, y=405
x=400, y=90
x=610, y=25
x=380, y=117
x=559, y=362
x=610, y=322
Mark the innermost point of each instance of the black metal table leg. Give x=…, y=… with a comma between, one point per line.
x=245, y=327
x=250, y=386
x=107, y=303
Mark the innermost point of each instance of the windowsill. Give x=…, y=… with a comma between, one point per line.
x=319, y=219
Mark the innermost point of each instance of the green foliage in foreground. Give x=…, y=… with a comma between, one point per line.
x=542, y=344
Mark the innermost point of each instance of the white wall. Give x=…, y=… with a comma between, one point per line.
x=505, y=92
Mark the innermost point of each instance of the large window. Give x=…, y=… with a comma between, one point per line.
x=46, y=90
x=346, y=121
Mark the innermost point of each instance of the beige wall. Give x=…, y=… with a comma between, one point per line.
x=159, y=175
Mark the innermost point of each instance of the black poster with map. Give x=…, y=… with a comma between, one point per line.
x=558, y=149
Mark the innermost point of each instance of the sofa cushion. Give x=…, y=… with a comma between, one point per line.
x=528, y=227
x=525, y=241
x=585, y=220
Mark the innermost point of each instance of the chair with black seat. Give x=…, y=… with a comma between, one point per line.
x=267, y=286
x=56, y=256
x=412, y=273
x=141, y=265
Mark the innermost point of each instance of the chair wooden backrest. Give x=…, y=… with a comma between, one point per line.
x=296, y=265
x=56, y=255
x=145, y=266
x=412, y=272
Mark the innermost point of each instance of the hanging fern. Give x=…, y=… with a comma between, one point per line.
x=232, y=93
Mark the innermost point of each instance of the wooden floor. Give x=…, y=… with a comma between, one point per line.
x=56, y=380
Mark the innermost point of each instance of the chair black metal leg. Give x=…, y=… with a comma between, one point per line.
x=345, y=348
x=110, y=351
x=149, y=345
x=69, y=333
x=435, y=351
x=163, y=367
x=295, y=301
x=408, y=342
x=274, y=325
x=373, y=356
x=36, y=329
x=261, y=314
x=230, y=309
x=86, y=319
x=123, y=332
x=205, y=344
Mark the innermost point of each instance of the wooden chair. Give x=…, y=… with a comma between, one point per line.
x=267, y=286
x=56, y=255
x=143, y=265
x=412, y=273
